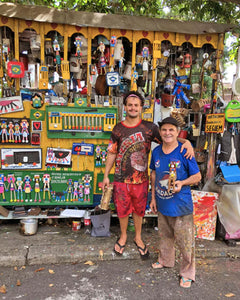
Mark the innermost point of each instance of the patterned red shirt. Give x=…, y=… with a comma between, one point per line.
x=132, y=146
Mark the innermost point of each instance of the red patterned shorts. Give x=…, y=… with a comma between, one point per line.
x=130, y=198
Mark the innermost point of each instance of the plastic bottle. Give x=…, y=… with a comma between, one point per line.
x=87, y=222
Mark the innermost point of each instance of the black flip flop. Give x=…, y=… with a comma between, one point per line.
x=143, y=256
x=120, y=246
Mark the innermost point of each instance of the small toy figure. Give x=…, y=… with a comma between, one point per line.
x=12, y=187
x=46, y=186
x=145, y=55
x=80, y=191
x=11, y=132
x=69, y=190
x=101, y=48
x=104, y=156
x=37, y=189
x=27, y=188
x=78, y=44
x=2, y=186
x=178, y=90
x=135, y=78
x=25, y=133
x=172, y=176
x=98, y=155
x=19, y=184
x=4, y=132
x=56, y=48
x=75, y=190
x=113, y=42
x=17, y=133
x=87, y=187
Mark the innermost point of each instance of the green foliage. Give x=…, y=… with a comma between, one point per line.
x=202, y=10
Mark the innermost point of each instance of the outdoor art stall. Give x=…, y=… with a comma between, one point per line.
x=63, y=75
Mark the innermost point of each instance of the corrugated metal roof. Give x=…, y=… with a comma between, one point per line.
x=90, y=19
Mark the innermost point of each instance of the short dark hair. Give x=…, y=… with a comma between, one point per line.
x=134, y=94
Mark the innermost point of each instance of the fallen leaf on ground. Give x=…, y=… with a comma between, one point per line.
x=15, y=268
x=40, y=269
x=89, y=262
x=18, y=282
x=230, y=295
x=3, y=289
x=71, y=240
x=137, y=271
x=51, y=271
x=22, y=268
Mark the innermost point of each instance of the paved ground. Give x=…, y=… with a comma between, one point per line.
x=57, y=243
x=216, y=279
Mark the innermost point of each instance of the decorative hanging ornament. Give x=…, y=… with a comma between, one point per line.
x=145, y=55
x=15, y=69
x=56, y=48
x=78, y=44
x=101, y=48
x=187, y=61
x=135, y=78
x=113, y=42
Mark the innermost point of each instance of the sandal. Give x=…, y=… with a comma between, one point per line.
x=146, y=254
x=185, y=283
x=157, y=265
x=120, y=247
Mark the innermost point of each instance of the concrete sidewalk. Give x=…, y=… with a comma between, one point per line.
x=58, y=244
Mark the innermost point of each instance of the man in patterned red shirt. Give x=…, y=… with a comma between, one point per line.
x=129, y=147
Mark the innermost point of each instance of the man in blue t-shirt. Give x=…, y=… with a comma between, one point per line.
x=171, y=177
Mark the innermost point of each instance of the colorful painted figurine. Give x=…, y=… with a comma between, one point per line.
x=78, y=44
x=46, y=186
x=37, y=189
x=172, y=176
x=25, y=133
x=12, y=187
x=135, y=78
x=87, y=187
x=113, y=42
x=27, y=188
x=19, y=184
x=178, y=90
x=17, y=133
x=2, y=186
x=98, y=155
x=69, y=190
x=11, y=132
x=80, y=191
x=56, y=48
x=145, y=55
x=75, y=190
x=4, y=132
x=101, y=48
x=104, y=156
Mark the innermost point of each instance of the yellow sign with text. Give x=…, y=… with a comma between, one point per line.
x=215, y=123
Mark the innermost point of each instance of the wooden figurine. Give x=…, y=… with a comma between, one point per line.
x=101, y=48
x=172, y=176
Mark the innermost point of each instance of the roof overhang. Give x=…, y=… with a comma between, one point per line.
x=112, y=21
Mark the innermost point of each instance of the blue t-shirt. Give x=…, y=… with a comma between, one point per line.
x=169, y=203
